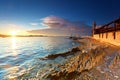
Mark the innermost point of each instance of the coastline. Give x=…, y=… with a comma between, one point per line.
x=95, y=60
x=92, y=60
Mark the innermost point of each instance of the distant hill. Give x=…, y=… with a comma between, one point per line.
x=2, y=35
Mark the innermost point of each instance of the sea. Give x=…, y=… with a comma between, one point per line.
x=20, y=56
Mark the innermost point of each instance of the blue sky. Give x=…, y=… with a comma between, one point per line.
x=28, y=14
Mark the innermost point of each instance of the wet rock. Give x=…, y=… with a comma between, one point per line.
x=79, y=63
x=53, y=56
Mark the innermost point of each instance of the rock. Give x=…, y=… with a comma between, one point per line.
x=116, y=77
x=53, y=56
x=114, y=61
x=80, y=63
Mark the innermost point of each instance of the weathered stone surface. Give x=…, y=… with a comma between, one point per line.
x=115, y=60
x=79, y=63
x=53, y=56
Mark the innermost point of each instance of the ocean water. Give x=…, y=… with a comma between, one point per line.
x=20, y=55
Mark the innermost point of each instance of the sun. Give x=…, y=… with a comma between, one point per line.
x=13, y=33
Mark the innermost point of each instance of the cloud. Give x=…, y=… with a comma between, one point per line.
x=60, y=26
x=34, y=24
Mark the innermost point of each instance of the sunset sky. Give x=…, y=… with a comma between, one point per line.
x=55, y=17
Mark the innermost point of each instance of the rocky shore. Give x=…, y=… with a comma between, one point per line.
x=93, y=60
x=53, y=56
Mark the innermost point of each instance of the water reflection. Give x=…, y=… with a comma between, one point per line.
x=13, y=46
x=13, y=42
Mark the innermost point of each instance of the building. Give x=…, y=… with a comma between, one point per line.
x=109, y=32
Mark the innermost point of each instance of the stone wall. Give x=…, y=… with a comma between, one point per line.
x=109, y=38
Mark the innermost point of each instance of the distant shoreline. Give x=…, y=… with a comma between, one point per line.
x=23, y=36
x=4, y=36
